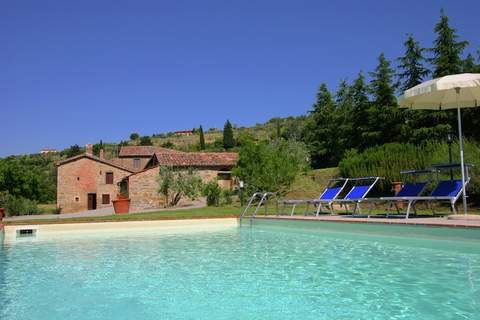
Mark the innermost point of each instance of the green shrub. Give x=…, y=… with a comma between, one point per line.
x=270, y=166
x=389, y=159
x=19, y=206
x=177, y=184
x=226, y=196
x=212, y=191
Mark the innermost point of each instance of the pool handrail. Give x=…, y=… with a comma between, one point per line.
x=264, y=197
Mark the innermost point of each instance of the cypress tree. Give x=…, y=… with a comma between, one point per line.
x=412, y=71
x=202, y=139
x=228, y=140
x=447, y=50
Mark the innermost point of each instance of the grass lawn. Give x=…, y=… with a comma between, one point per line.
x=208, y=212
x=233, y=210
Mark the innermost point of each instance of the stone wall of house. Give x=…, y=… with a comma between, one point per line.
x=76, y=179
x=143, y=188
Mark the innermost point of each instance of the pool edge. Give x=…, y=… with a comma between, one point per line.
x=46, y=231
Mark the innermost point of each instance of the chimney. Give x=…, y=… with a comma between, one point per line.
x=102, y=154
x=89, y=149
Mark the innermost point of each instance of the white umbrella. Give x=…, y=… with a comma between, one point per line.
x=450, y=92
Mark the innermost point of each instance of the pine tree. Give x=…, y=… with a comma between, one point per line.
x=202, y=139
x=381, y=86
x=320, y=133
x=360, y=112
x=343, y=115
x=471, y=116
x=385, y=117
x=412, y=71
x=447, y=50
x=468, y=65
x=228, y=139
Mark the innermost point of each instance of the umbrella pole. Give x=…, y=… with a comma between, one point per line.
x=462, y=161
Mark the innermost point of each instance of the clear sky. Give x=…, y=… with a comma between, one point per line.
x=74, y=72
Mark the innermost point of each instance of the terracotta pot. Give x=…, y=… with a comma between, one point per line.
x=121, y=206
x=2, y=213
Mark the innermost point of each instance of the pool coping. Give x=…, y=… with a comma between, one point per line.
x=100, y=220
x=425, y=222
x=49, y=231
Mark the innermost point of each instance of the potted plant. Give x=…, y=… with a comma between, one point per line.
x=122, y=204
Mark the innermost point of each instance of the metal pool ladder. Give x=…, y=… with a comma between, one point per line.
x=263, y=198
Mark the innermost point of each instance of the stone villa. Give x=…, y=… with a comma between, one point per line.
x=87, y=182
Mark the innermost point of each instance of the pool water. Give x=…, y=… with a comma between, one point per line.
x=259, y=272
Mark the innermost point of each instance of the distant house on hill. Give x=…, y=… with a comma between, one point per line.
x=87, y=182
x=48, y=151
x=184, y=132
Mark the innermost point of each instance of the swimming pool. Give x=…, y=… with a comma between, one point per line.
x=271, y=270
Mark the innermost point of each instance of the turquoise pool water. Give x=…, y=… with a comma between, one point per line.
x=268, y=271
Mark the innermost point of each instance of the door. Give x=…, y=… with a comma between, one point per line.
x=92, y=201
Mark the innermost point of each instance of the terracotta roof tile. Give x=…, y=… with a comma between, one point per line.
x=130, y=151
x=198, y=159
x=92, y=157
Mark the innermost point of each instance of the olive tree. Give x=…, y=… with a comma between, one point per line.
x=176, y=184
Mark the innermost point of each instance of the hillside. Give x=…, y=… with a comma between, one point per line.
x=287, y=127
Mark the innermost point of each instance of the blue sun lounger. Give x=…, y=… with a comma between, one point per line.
x=358, y=193
x=446, y=190
x=332, y=191
x=409, y=190
x=329, y=195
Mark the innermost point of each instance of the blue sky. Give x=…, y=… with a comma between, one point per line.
x=74, y=72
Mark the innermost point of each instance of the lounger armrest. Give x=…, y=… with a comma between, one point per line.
x=321, y=200
x=292, y=201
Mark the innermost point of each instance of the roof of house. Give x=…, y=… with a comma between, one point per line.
x=131, y=151
x=194, y=160
x=197, y=159
x=94, y=158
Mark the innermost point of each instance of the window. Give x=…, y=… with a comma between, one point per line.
x=224, y=175
x=105, y=199
x=109, y=178
x=136, y=163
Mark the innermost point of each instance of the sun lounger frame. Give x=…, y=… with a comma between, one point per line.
x=326, y=202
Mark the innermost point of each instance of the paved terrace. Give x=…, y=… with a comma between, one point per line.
x=461, y=221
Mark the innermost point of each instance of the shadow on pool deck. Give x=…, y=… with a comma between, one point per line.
x=469, y=221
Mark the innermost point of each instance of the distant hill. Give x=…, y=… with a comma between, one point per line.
x=287, y=127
